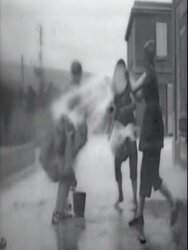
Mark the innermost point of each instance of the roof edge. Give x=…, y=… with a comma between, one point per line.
x=129, y=24
x=139, y=7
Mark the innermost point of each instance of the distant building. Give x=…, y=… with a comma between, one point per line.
x=151, y=20
x=180, y=81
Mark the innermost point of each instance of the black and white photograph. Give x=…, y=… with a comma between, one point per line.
x=93, y=125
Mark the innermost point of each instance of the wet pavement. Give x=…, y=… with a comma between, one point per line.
x=27, y=204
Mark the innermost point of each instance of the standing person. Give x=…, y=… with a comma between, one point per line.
x=124, y=108
x=76, y=72
x=151, y=141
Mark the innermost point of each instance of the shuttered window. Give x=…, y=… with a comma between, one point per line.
x=161, y=39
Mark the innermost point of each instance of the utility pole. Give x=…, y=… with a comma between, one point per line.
x=22, y=70
x=41, y=60
x=41, y=43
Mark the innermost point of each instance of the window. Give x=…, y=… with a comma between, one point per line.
x=161, y=39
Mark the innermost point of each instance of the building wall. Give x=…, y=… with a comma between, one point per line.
x=131, y=47
x=146, y=30
x=180, y=81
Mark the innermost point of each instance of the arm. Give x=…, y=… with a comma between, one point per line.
x=137, y=85
x=135, y=88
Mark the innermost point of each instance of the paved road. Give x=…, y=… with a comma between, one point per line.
x=27, y=204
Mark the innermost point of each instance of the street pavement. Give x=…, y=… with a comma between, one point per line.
x=27, y=203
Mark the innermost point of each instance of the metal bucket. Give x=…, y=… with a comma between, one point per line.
x=79, y=199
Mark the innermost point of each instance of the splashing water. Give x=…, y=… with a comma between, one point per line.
x=92, y=100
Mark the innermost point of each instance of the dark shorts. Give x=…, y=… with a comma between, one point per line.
x=152, y=131
x=127, y=150
x=150, y=172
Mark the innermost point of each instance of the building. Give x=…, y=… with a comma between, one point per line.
x=151, y=20
x=180, y=81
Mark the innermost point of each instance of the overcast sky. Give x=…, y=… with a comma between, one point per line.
x=89, y=30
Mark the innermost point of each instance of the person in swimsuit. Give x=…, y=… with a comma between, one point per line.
x=124, y=108
x=151, y=141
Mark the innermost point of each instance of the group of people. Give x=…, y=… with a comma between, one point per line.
x=67, y=141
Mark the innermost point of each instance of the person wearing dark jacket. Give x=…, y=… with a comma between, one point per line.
x=151, y=141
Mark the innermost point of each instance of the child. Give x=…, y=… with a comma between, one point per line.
x=124, y=108
x=151, y=141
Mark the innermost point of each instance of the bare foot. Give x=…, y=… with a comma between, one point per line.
x=134, y=208
x=117, y=207
x=141, y=234
x=142, y=238
x=120, y=198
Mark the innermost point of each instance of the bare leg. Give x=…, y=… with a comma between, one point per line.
x=134, y=188
x=139, y=221
x=61, y=203
x=62, y=196
x=174, y=203
x=141, y=234
x=165, y=191
x=118, y=175
x=133, y=156
x=120, y=187
x=141, y=206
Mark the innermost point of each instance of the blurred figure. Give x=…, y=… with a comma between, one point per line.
x=69, y=141
x=151, y=141
x=81, y=128
x=3, y=243
x=76, y=72
x=76, y=79
x=124, y=108
x=6, y=108
x=31, y=99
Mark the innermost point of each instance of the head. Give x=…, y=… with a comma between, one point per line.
x=149, y=50
x=76, y=72
x=119, y=77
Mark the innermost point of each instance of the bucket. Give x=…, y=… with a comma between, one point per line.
x=79, y=199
